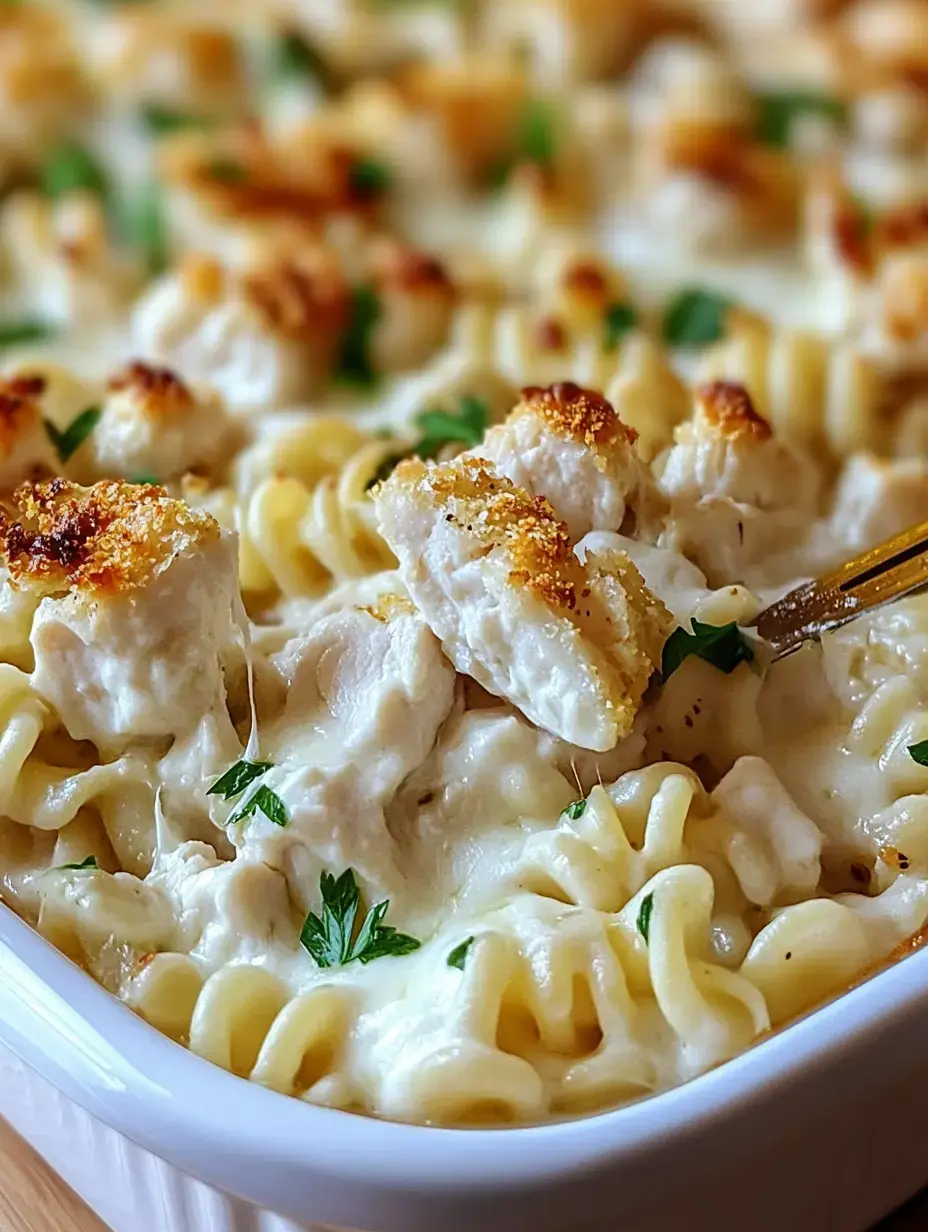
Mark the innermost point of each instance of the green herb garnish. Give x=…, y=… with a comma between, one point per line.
x=538, y=135
x=234, y=781
x=329, y=938
x=369, y=178
x=919, y=752
x=645, y=911
x=458, y=956
x=87, y=862
x=146, y=480
x=69, y=169
x=724, y=646
x=354, y=363
x=618, y=320
x=161, y=121
x=70, y=440
x=695, y=318
x=17, y=333
x=145, y=225
x=265, y=801
x=574, y=810
x=439, y=428
x=226, y=171
x=778, y=111
x=295, y=57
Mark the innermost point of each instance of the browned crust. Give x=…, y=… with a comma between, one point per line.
x=728, y=406
x=158, y=392
x=18, y=407
x=490, y=506
x=575, y=412
x=550, y=334
x=300, y=300
x=109, y=538
x=400, y=267
x=903, y=227
x=389, y=607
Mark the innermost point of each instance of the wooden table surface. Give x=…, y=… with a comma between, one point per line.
x=33, y=1199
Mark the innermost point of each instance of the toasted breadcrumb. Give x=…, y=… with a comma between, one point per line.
x=388, y=607
x=299, y=299
x=398, y=266
x=18, y=408
x=582, y=414
x=728, y=406
x=903, y=227
x=110, y=538
x=158, y=392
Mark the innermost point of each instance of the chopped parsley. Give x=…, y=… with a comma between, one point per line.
x=265, y=801
x=146, y=481
x=695, y=317
x=369, y=178
x=778, y=111
x=161, y=121
x=645, y=911
x=354, y=363
x=536, y=142
x=919, y=752
x=238, y=777
x=88, y=862
x=70, y=440
x=71, y=168
x=618, y=320
x=724, y=646
x=144, y=226
x=574, y=810
x=295, y=57
x=458, y=956
x=18, y=333
x=226, y=171
x=330, y=939
x=440, y=428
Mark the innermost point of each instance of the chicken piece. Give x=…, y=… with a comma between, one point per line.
x=151, y=424
x=136, y=609
x=568, y=445
x=367, y=690
x=150, y=57
x=493, y=571
x=416, y=298
x=736, y=492
x=25, y=448
x=874, y=500
x=262, y=339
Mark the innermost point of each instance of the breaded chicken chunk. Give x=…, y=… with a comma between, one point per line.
x=736, y=492
x=136, y=609
x=25, y=447
x=151, y=423
x=494, y=573
x=568, y=445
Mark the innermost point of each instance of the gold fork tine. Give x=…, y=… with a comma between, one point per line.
x=896, y=568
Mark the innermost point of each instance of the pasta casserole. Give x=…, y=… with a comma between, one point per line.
x=405, y=411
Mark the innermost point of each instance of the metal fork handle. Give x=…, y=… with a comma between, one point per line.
x=896, y=568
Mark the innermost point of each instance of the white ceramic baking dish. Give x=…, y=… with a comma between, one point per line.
x=821, y=1126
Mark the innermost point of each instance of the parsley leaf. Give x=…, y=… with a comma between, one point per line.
x=147, y=481
x=354, y=363
x=89, y=862
x=695, y=317
x=71, y=168
x=234, y=781
x=458, y=956
x=618, y=320
x=778, y=111
x=17, y=333
x=724, y=646
x=919, y=752
x=328, y=938
x=536, y=142
x=295, y=57
x=369, y=178
x=265, y=801
x=144, y=227
x=226, y=171
x=440, y=427
x=160, y=121
x=70, y=440
x=645, y=911
x=574, y=810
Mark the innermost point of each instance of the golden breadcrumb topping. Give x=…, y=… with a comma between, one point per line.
x=389, y=607
x=158, y=392
x=301, y=298
x=202, y=276
x=18, y=408
x=903, y=227
x=727, y=405
x=398, y=266
x=581, y=414
x=105, y=539
x=586, y=279
x=490, y=506
x=904, y=297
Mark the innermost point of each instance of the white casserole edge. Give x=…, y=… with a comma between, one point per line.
x=844, y=1088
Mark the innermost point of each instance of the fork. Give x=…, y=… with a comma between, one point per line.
x=896, y=568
